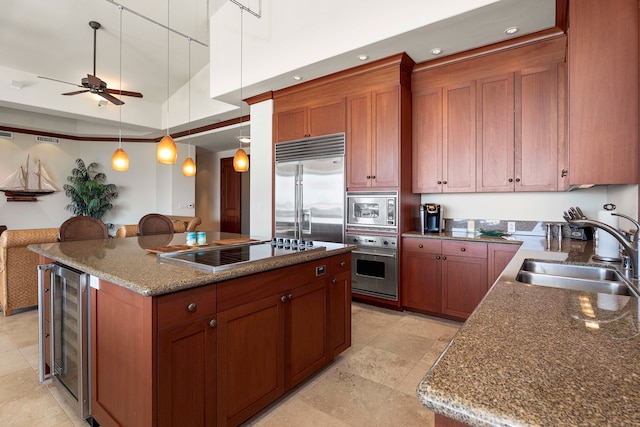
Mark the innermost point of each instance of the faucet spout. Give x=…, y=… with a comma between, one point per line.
x=630, y=247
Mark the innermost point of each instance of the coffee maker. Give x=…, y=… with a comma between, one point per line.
x=431, y=218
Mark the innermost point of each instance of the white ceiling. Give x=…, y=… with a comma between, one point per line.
x=53, y=39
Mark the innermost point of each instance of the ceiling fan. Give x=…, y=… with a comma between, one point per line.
x=92, y=83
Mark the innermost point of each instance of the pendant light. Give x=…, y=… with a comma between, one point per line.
x=167, y=152
x=240, y=159
x=189, y=166
x=120, y=160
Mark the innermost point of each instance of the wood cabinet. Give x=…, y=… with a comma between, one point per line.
x=444, y=139
x=187, y=337
x=215, y=354
x=447, y=277
x=373, y=135
x=46, y=313
x=308, y=121
x=499, y=255
x=517, y=131
x=603, y=92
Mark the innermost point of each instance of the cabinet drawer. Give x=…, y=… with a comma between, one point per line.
x=184, y=306
x=464, y=249
x=411, y=244
x=340, y=264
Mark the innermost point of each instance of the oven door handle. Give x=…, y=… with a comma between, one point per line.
x=391, y=255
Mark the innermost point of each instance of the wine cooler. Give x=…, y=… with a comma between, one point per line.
x=64, y=321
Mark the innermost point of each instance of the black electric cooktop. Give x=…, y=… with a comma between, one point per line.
x=216, y=259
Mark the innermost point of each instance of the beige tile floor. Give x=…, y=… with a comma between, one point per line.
x=372, y=383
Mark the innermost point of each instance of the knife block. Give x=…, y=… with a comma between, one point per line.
x=577, y=233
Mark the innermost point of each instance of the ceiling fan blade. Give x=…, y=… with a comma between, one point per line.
x=108, y=97
x=60, y=81
x=124, y=92
x=76, y=92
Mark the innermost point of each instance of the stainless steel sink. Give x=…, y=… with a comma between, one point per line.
x=587, y=278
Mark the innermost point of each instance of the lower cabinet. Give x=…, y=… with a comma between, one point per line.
x=216, y=354
x=450, y=277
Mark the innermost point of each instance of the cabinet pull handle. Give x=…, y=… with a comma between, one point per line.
x=283, y=298
x=334, y=281
x=463, y=249
x=192, y=307
x=342, y=263
x=290, y=296
x=421, y=246
x=564, y=173
x=213, y=323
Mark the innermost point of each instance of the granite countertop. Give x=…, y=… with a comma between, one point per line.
x=532, y=355
x=127, y=263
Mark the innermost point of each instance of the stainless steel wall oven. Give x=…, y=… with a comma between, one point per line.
x=374, y=269
x=68, y=299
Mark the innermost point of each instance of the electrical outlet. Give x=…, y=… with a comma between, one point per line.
x=471, y=226
x=511, y=227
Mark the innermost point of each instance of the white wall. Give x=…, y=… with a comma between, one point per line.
x=261, y=166
x=536, y=206
x=138, y=188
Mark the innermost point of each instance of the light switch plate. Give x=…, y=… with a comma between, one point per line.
x=511, y=227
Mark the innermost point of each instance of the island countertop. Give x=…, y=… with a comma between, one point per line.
x=540, y=356
x=127, y=262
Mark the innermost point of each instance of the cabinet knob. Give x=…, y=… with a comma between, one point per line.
x=517, y=179
x=444, y=182
x=463, y=249
x=46, y=335
x=564, y=173
x=510, y=179
x=46, y=289
x=283, y=298
x=373, y=177
x=421, y=246
x=334, y=281
x=437, y=256
x=342, y=263
x=368, y=176
x=444, y=257
x=213, y=323
x=192, y=307
x=290, y=296
x=439, y=182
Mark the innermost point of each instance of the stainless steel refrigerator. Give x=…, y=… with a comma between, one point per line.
x=310, y=188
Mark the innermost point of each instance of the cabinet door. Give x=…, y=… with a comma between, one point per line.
x=327, y=119
x=499, y=256
x=421, y=281
x=187, y=396
x=306, y=331
x=290, y=125
x=250, y=358
x=495, y=155
x=459, y=138
x=463, y=284
x=427, y=142
x=359, y=141
x=340, y=313
x=385, y=149
x=536, y=131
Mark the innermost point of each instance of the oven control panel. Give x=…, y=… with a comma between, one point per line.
x=372, y=240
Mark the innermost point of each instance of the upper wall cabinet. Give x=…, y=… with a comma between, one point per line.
x=603, y=92
x=308, y=121
x=492, y=123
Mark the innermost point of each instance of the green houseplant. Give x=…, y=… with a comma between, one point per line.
x=89, y=193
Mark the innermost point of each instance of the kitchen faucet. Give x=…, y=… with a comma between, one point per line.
x=630, y=245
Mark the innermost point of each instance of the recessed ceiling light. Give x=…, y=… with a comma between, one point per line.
x=363, y=57
x=297, y=78
x=512, y=30
x=436, y=51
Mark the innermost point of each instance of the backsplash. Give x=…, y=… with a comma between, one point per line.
x=526, y=228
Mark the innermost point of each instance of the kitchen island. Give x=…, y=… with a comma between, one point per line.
x=175, y=345
x=541, y=356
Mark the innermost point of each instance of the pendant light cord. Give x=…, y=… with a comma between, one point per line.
x=168, y=2
x=241, y=102
x=189, y=106
x=120, y=84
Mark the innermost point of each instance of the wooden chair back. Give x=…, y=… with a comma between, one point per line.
x=154, y=223
x=82, y=228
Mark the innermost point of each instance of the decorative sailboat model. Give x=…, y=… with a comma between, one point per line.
x=27, y=183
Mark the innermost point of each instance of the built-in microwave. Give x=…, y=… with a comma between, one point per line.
x=372, y=210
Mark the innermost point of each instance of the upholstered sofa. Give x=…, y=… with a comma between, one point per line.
x=18, y=267
x=180, y=225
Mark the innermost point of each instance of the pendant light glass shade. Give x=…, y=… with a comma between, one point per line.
x=189, y=167
x=240, y=161
x=120, y=160
x=167, y=152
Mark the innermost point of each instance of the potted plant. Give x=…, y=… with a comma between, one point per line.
x=89, y=193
